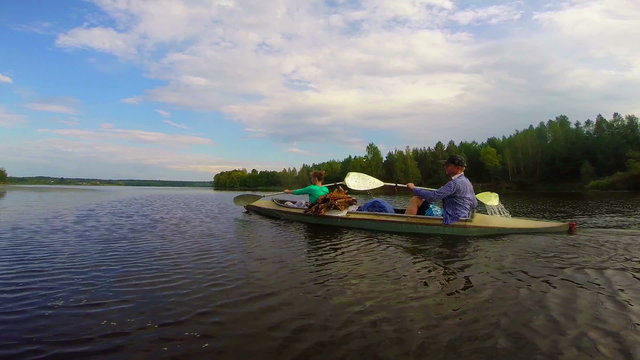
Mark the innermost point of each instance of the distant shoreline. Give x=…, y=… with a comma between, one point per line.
x=48, y=180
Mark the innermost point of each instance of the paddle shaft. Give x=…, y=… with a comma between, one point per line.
x=404, y=185
x=278, y=193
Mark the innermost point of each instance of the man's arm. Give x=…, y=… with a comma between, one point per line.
x=434, y=195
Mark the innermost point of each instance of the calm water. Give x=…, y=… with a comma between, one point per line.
x=148, y=273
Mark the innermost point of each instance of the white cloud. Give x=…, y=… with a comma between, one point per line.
x=423, y=70
x=163, y=113
x=491, y=14
x=137, y=136
x=102, y=39
x=52, y=107
x=8, y=119
x=106, y=160
x=5, y=79
x=296, y=150
x=162, y=138
x=169, y=122
x=132, y=100
x=102, y=159
x=38, y=27
x=603, y=29
x=69, y=122
x=256, y=133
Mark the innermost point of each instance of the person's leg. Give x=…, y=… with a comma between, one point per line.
x=422, y=210
x=414, y=204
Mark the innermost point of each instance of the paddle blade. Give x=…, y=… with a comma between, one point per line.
x=246, y=199
x=489, y=198
x=360, y=181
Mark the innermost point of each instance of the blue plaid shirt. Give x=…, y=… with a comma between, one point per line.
x=458, y=198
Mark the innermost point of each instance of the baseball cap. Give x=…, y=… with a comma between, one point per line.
x=456, y=160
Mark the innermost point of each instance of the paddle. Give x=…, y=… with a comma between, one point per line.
x=246, y=199
x=488, y=198
x=360, y=181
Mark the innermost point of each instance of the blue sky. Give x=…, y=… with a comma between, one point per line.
x=168, y=89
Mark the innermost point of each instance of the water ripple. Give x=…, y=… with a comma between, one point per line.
x=183, y=273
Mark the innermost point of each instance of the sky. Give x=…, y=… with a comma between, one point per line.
x=181, y=90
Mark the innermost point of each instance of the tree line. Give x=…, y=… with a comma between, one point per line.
x=597, y=154
x=47, y=180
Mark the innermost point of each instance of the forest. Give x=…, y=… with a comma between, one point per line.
x=600, y=154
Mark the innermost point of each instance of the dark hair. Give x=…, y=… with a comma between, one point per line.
x=318, y=174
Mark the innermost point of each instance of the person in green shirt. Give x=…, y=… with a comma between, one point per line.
x=315, y=190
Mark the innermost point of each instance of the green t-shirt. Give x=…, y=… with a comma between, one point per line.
x=314, y=192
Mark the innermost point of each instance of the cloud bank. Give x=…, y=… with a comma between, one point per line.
x=421, y=71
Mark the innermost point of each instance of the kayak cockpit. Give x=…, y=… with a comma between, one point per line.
x=355, y=209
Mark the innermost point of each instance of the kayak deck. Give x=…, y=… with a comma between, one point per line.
x=479, y=224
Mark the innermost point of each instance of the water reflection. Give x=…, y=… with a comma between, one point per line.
x=146, y=273
x=436, y=263
x=611, y=210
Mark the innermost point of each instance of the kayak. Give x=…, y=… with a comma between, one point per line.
x=477, y=225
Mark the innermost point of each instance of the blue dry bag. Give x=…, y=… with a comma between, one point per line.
x=377, y=205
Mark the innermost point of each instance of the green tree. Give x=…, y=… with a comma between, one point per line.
x=631, y=133
x=345, y=166
x=393, y=166
x=554, y=151
x=332, y=171
x=287, y=177
x=234, y=179
x=423, y=159
x=411, y=171
x=3, y=176
x=471, y=152
x=492, y=161
x=437, y=177
x=587, y=172
x=304, y=176
x=452, y=148
x=374, y=161
x=401, y=167
x=633, y=162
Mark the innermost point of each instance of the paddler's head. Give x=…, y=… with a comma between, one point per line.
x=317, y=176
x=454, y=165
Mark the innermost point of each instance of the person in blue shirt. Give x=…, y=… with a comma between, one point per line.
x=458, y=197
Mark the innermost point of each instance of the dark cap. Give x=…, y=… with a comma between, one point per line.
x=456, y=160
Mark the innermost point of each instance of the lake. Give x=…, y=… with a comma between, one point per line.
x=182, y=273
